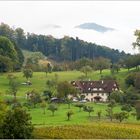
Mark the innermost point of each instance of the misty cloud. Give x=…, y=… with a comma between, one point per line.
x=50, y=26
x=94, y=26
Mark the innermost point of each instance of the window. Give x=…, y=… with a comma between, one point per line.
x=102, y=94
x=97, y=93
x=94, y=88
x=87, y=94
x=91, y=94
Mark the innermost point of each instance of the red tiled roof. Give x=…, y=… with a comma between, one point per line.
x=102, y=86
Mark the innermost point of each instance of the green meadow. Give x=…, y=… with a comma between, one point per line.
x=79, y=117
x=39, y=79
x=39, y=83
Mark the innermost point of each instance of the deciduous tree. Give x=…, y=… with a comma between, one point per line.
x=17, y=125
x=52, y=108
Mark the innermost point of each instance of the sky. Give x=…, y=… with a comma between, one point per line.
x=59, y=18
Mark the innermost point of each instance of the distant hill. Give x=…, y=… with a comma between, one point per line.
x=64, y=49
x=70, y=49
x=94, y=26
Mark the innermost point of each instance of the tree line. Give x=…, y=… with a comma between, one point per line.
x=11, y=57
x=66, y=48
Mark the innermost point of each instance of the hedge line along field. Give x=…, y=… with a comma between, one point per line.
x=89, y=131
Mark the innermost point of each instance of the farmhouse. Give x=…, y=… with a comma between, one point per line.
x=96, y=90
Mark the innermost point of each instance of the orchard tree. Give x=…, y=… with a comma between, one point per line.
x=112, y=104
x=13, y=85
x=69, y=114
x=47, y=95
x=88, y=109
x=99, y=113
x=45, y=66
x=127, y=108
x=114, y=68
x=109, y=114
x=109, y=110
x=50, y=84
x=34, y=97
x=43, y=106
x=117, y=96
x=64, y=89
x=121, y=116
x=80, y=106
x=68, y=101
x=28, y=73
x=82, y=63
x=86, y=69
x=102, y=63
x=52, y=108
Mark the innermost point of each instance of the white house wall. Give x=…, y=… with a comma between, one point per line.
x=90, y=96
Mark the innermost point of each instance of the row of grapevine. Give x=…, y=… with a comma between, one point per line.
x=90, y=131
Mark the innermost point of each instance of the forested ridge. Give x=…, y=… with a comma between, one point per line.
x=66, y=48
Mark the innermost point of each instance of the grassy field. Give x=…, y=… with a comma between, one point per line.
x=39, y=79
x=60, y=118
x=81, y=125
x=39, y=83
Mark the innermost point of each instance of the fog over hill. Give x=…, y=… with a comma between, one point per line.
x=110, y=23
x=94, y=26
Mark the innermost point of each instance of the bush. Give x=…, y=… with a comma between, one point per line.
x=17, y=125
x=121, y=116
